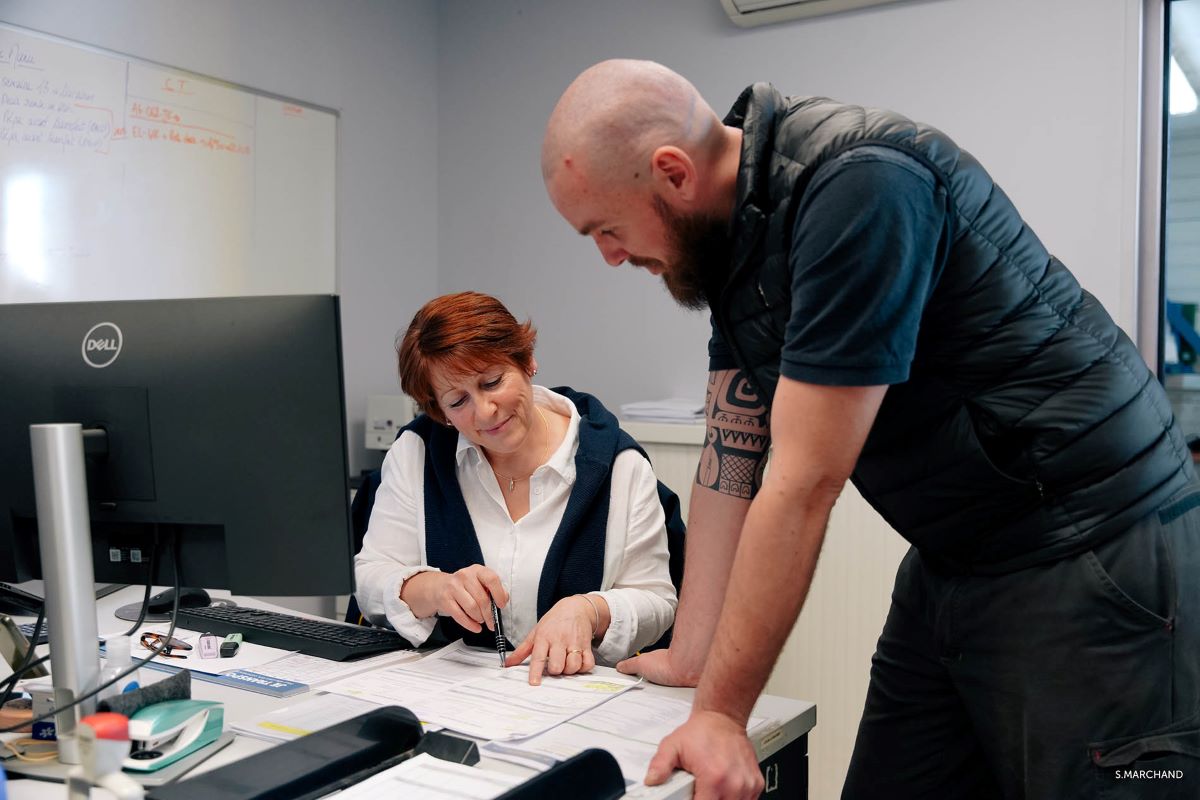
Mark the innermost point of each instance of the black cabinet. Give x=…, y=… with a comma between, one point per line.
x=786, y=771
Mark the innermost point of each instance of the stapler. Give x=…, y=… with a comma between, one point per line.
x=163, y=733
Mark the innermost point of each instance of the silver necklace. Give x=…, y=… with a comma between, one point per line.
x=512, y=479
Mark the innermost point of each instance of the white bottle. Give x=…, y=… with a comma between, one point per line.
x=117, y=659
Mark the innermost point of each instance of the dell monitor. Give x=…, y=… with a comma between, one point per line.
x=217, y=426
x=222, y=426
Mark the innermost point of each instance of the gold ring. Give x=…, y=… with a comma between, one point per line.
x=569, y=652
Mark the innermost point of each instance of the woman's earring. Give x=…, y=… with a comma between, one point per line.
x=533, y=373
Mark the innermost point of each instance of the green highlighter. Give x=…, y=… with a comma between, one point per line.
x=230, y=645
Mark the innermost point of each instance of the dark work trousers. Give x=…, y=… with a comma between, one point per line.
x=1074, y=679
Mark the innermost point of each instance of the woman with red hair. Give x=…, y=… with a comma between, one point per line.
x=510, y=492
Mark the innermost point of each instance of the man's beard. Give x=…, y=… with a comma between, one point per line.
x=701, y=249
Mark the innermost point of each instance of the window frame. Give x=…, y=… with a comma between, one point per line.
x=1152, y=185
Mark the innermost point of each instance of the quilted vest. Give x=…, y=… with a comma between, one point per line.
x=1030, y=428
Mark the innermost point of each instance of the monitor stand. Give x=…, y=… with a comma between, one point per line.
x=64, y=536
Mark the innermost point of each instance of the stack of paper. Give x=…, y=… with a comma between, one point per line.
x=314, y=671
x=256, y=668
x=629, y=726
x=310, y=715
x=463, y=690
x=673, y=410
x=429, y=778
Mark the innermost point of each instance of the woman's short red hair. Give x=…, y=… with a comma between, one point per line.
x=462, y=333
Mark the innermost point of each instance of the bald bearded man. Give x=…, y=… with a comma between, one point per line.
x=881, y=313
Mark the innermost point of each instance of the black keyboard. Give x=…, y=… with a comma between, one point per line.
x=43, y=636
x=322, y=638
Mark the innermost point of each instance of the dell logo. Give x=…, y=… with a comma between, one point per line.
x=102, y=345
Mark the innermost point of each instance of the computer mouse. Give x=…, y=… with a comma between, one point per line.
x=189, y=597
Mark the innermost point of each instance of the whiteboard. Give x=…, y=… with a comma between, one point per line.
x=123, y=180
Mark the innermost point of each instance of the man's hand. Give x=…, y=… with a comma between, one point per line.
x=658, y=666
x=714, y=748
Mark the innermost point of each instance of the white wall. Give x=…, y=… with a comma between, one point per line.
x=443, y=105
x=372, y=60
x=1042, y=92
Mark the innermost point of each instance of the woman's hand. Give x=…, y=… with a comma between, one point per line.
x=561, y=643
x=465, y=596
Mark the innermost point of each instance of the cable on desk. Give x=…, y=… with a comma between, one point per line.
x=137, y=662
x=10, y=682
x=150, y=582
x=14, y=746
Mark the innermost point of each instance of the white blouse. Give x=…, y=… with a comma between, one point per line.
x=636, y=582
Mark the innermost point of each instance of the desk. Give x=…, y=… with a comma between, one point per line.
x=782, y=750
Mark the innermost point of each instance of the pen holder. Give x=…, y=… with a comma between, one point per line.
x=176, y=687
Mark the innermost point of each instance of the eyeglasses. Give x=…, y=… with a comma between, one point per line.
x=153, y=641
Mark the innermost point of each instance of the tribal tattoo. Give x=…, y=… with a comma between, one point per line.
x=735, y=450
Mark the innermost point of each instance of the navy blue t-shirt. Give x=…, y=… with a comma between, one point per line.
x=868, y=239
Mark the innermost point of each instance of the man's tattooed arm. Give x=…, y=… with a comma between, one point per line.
x=738, y=436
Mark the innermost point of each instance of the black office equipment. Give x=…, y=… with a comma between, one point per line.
x=189, y=597
x=20, y=600
x=221, y=423
x=591, y=775
x=34, y=602
x=15, y=600
x=352, y=751
x=448, y=747
x=333, y=640
x=311, y=766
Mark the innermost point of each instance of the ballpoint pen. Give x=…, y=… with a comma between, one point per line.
x=501, y=648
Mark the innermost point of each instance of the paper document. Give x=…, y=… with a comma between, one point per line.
x=629, y=726
x=461, y=689
x=241, y=671
x=316, y=671
x=671, y=410
x=300, y=719
x=249, y=656
x=424, y=777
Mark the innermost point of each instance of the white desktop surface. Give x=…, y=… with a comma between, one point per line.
x=795, y=717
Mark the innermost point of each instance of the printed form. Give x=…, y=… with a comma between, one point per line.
x=300, y=719
x=630, y=727
x=424, y=777
x=462, y=689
